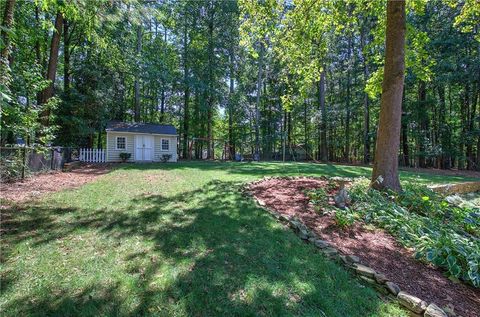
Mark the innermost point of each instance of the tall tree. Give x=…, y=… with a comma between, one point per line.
x=53, y=59
x=385, y=167
x=7, y=25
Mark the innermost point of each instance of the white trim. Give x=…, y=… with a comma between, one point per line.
x=116, y=143
x=110, y=131
x=161, y=147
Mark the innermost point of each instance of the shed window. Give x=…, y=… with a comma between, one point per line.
x=121, y=143
x=165, y=144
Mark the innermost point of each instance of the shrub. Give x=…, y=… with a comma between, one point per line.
x=445, y=235
x=343, y=218
x=11, y=167
x=166, y=157
x=125, y=156
x=319, y=198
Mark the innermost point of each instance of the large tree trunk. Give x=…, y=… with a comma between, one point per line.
x=231, y=147
x=422, y=100
x=7, y=24
x=257, y=104
x=471, y=130
x=322, y=146
x=385, y=167
x=186, y=92
x=210, y=142
x=366, y=102
x=346, y=153
x=52, y=66
x=66, y=57
x=136, y=83
x=464, y=120
x=162, y=98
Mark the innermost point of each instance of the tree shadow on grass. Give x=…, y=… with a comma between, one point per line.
x=218, y=256
x=260, y=169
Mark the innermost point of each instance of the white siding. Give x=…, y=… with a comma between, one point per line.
x=113, y=154
x=157, y=155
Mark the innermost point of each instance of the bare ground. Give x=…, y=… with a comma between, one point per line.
x=374, y=247
x=40, y=184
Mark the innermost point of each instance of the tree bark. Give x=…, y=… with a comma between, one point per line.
x=323, y=146
x=385, y=167
x=5, y=52
x=53, y=60
x=186, y=92
x=257, y=104
x=47, y=93
x=66, y=57
x=137, y=80
x=231, y=147
x=210, y=142
x=366, y=102
x=422, y=99
x=346, y=153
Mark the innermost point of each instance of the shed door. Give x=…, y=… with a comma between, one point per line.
x=143, y=147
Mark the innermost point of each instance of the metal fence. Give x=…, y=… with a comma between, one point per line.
x=19, y=162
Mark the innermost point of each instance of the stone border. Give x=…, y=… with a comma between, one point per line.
x=379, y=281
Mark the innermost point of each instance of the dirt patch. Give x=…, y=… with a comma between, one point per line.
x=40, y=184
x=374, y=247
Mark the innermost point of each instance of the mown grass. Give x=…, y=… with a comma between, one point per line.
x=173, y=240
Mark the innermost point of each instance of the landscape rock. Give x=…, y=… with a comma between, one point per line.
x=303, y=234
x=353, y=258
x=294, y=224
x=450, y=310
x=330, y=251
x=393, y=288
x=367, y=279
x=434, y=311
x=321, y=244
x=411, y=302
x=380, y=278
x=342, y=198
x=364, y=270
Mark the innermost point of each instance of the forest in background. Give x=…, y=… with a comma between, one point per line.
x=252, y=76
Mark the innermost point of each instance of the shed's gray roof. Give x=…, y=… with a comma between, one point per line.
x=151, y=128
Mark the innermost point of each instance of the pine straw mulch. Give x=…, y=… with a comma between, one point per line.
x=37, y=185
x=375, y=248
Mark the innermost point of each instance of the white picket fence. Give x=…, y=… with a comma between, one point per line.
x=93, y=155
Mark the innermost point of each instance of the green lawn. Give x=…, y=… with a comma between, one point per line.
x=173, y=240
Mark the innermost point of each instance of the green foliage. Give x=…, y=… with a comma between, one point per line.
x=166, y=157
x=195, y=64
x=11, y=165
x=319, y=198
x=125, y=156
x=422, y=219
x=344, y=218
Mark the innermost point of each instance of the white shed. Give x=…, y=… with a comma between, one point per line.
x=145, y=142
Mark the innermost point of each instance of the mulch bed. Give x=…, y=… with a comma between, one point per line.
x=40, y=184
x=375, y=248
